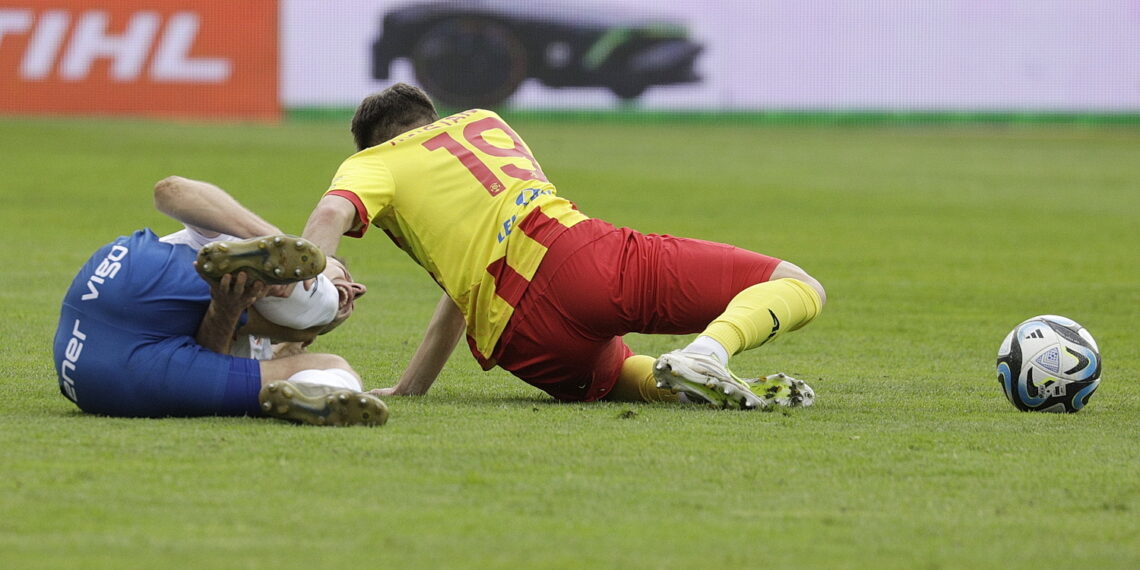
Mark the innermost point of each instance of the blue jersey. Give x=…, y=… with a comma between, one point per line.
x=125, y=343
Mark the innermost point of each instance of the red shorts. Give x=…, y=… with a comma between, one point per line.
x=597, y=283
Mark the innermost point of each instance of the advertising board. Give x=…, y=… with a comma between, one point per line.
x=189, y=58
x=250, y=59
x=744, y=55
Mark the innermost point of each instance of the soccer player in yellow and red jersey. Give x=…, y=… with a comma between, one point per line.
x=542, y=290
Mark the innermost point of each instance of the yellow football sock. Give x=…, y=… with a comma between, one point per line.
x=636, y=383
x=764, y=311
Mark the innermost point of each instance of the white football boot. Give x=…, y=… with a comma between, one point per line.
x=705, y=378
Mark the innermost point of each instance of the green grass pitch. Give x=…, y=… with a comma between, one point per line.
x=933, y=242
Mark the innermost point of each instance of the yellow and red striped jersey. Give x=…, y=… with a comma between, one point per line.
x=467, y=200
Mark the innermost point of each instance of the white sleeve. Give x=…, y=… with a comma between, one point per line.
x=194, y=239
x=302, y=309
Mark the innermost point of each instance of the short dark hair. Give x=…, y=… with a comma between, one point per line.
x=390, y=113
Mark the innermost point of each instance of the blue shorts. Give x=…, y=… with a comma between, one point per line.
x=125, y=344
x=107, y=370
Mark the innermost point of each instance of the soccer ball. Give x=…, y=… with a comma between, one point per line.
x=1049, y=364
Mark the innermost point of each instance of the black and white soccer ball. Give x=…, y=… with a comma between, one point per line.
x=1049, y=364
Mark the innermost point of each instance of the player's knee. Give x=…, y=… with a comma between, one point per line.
x=815, y=284
x=790, y=270
x=283, y=368
x=326, y=361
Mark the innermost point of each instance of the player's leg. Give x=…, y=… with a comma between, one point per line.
x=636, y=382
x=599, y=282
x=318, y=389
x=699, y=369
x=129, y=375
x=575, y=297
x=175, y=377
x=736, y=299
x=758, y=314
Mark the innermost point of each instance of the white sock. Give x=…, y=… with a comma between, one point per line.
x=334, y=377
x=706, y=345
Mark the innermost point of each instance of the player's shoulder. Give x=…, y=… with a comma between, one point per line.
x=468, y=115
x=416, y=137
x=148, y=260
x=460, y=119
x=140, y=239
x=477, y=114
x=194, y=238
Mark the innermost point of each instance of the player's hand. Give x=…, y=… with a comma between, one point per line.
x=235, y=293
x=390, y=391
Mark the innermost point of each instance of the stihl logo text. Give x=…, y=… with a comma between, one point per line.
x=64, y=46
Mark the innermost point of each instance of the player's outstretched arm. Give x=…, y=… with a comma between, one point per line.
x=208, y=209
x=443, y=333
x=330, y=219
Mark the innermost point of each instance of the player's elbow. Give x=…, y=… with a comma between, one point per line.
x=332, y=212
x=166, y=192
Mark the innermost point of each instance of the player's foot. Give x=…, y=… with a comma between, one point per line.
x=704, y=378
x=782, y=390
x=275, y=260
x=321, y=405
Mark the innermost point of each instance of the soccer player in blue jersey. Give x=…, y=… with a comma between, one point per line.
x=143, y=332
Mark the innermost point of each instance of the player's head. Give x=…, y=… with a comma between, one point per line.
x=391, y=112
x=348, y=291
